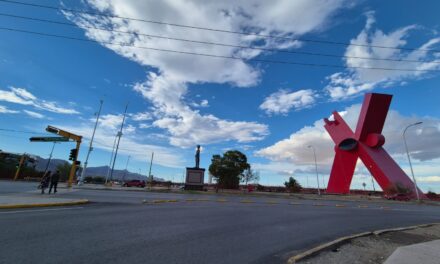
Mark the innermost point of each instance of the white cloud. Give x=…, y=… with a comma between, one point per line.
x=429, y=179
x=283, y=101
x=24, y=97
x=5, y=110
x=34, y=114
x=187, y=127
x=423, y=142
x=144, y=126
x=167, y=87
x=110, y=121
x=15, y=95
x=355, y=81
x=141, y=116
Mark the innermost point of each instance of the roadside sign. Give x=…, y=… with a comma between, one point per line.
x=52, y=129
x=48, y=139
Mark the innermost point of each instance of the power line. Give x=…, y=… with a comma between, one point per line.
x=212, y=55
x=211, y=29
x=209, y=42
x=19, y=131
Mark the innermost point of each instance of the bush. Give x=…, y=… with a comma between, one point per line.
x=398, y=188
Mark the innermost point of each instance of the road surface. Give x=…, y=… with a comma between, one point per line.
x=117, y=228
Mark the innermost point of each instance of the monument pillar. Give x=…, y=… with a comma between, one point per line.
x=195, y=176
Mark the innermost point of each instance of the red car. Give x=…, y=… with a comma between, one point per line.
x=134, y=183
x=398, y=197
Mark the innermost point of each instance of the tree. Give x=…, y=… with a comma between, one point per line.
x=250, y=175
x=228, y=169
x=292, y=185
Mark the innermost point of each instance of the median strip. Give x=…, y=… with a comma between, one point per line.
x=13, y=206
x=159, y=201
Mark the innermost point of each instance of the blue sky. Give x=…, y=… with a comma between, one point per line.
x=271, y=112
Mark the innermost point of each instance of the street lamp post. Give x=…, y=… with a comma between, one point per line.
x=83, y=174
x=316, y=167
x=409, y=158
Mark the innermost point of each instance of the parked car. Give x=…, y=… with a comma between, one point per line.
x=398, y=197
x=134, y=183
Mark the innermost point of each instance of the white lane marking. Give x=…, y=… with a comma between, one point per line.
x=41, y=210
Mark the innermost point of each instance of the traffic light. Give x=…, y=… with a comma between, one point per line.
x=73, y=153
x=77, y=163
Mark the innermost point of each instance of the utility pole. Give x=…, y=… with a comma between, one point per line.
x=111, y=158
x=83, y=174
x=50, y=158
x=119, y=140
x=126, y=167
x=149, y=172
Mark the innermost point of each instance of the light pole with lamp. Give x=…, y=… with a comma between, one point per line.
x=316, y=167
x=409, y=158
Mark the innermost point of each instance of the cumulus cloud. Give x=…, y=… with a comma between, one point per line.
x=167, y=85
x=131, y=144
x=423, y=141
x=24, y=97
x=355, y=81
x=283, y=101
x=5, y=110
x=187, y=127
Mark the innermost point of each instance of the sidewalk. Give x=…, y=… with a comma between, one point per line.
x=35, y=199
x=427, y=253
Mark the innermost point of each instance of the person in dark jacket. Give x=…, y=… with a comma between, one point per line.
x=45, y=181
x=54, y=181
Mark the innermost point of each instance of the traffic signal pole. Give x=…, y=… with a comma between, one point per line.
x=73, y=168
x=23, y=157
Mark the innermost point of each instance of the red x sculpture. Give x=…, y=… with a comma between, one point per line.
x=366, y=143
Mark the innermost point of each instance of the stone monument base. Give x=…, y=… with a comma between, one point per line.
x=194, y=179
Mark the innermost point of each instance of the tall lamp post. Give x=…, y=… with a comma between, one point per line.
x=83, y=174
x=316, y=167
x=409, y=158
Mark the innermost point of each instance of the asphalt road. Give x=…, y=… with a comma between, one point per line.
x=117, y=228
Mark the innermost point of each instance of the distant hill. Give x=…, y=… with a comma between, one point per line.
x=41, y=164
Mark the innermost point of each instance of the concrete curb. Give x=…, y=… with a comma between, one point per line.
x=14, y=206
x=345, y=239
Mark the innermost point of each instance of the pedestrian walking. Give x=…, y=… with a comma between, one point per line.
x=54, y=181
x=44, y=183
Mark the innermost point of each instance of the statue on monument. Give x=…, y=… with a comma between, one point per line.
x=198, y=157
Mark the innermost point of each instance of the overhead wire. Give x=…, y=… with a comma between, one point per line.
x=211, y=29
x=210, y=42
x=213, y=55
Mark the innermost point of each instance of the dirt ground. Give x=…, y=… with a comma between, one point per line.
x=374, y=249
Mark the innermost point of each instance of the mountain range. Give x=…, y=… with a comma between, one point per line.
x=102, y=171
